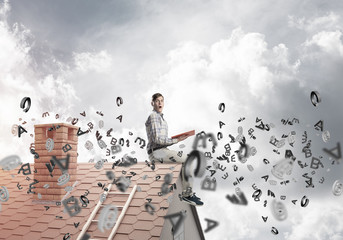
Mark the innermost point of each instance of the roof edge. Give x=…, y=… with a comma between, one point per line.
x=197, y=222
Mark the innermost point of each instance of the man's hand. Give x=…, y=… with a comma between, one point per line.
x=181, y=138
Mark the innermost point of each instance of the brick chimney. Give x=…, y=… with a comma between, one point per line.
x=63, y=136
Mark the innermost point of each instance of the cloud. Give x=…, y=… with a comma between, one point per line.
x=321, y=221
x=328, y=42
x=18, y=79
x=242, y=54
x=241, y=71
x=235, y=221
x=330, y=21
x=4, y=9
x=247, y=74
x=99, y=62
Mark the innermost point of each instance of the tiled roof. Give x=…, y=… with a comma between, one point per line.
x=22, y=217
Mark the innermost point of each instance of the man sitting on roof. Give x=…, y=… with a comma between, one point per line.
x=157, y=132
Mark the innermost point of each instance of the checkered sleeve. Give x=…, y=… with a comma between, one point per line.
x=157, y=130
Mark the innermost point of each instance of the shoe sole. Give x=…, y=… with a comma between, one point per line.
x=191, y=203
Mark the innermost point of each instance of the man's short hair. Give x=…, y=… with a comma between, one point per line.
x=155, y=96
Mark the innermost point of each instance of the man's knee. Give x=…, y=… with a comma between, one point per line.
x=173, y=156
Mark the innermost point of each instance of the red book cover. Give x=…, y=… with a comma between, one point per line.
x=189, y=133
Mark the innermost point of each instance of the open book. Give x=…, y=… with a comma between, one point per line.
x=190, y=133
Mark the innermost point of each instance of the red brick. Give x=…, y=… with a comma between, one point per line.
x=44, y=178
x=43, y=159
x=42, y=171
x=40, y=190
x=57, y=197
x=61, y=144
x=40, y=146
x=47, y=197
x=39, y=130
x=41, y=165
x=74, y=138
x=56, y=152
x=62, y=129
x=55, y=191
x=39, y=137
x=61, y=136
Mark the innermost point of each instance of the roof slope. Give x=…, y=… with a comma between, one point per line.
x=21, y=217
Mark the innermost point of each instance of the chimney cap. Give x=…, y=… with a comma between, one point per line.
x=55, y=124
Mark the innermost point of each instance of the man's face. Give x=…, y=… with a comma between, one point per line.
x=158, y=104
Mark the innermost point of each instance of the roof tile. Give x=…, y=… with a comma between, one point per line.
x=143, y=225
x=45, y=219
x=33, y=235
x=39, y=227
x=146, y=216
x=156, y=231
x=137, y=202
x=85, y=186
x=3, y=219
x=18, y=216
x=71, y=229
x=11, y=224
x=157, y=184
x=144, y=187
x=58, y=223
x=35, y=213
x=14, y=237
x=161, y=213
x=146, y=180
x=6, y=233
x=141, y=195
x=8, y=212
x=27, y=221
x=99, y=234
x=125, y=228
x=154, y=191
x=129, y=219
x=32, y=218
x=154, y=238
x=133, y=211
x=51, y=233
x=139, y=234
x=93, y=197
x=23, y=230
x=159, y=222
x=121, y=236
x=88, y=180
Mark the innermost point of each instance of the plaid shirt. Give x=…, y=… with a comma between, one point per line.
x=157, y=131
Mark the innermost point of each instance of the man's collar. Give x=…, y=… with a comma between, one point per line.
x=158, y=113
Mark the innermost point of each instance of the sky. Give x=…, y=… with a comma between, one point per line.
x=260, y=58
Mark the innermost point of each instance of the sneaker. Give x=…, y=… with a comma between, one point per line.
x=196, y=196
x=193, y=200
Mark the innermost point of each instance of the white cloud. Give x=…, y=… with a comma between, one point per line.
x=18, y=79
x=4, y=9
x=245, y=70
x=237, y=70
x=330, y=21
x=86, y=61
x=329, y=42
x=14, y=53
x=235, y=221
x=321, y=220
